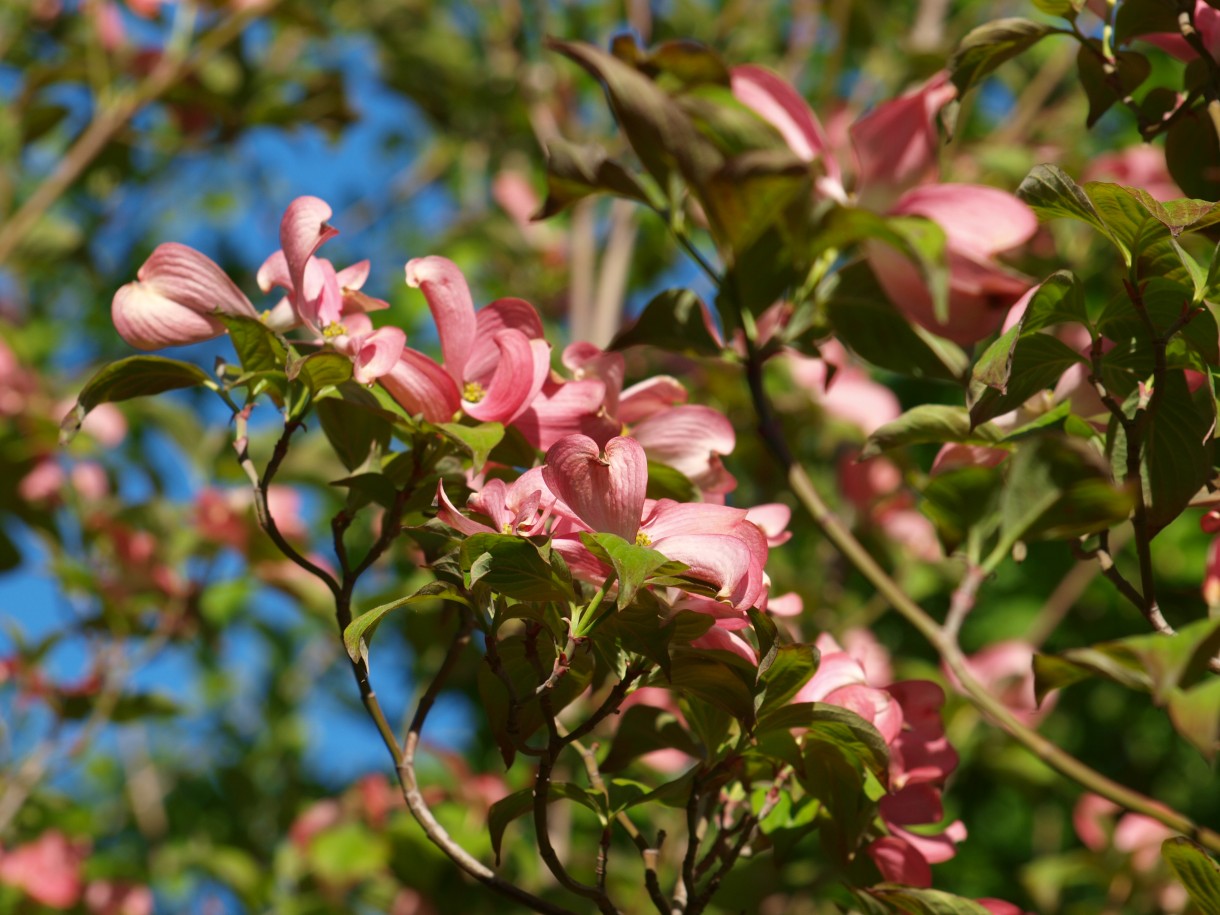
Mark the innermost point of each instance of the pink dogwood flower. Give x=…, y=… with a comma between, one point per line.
x=326, y=301
x=604, y=490
x=520, y=507
x=894, y=149
x=47, y=869
x=497, y=358
x=175, y=298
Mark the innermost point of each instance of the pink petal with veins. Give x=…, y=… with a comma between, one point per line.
x=378, y=354
x=781, y=106
x=721, y=560
x=690, y=438
x=873, y=705
x=449, y=514
x=518, y=377
x=420, y=386
x=303, y=230
x=896, y=143
x=772, y=519
x=586, y=360
x=606, y=493
x=650, y=397
x=900, y=863
x=567, y=408
x=148, y=320
x=452, y=307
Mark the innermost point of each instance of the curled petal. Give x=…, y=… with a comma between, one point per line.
x=449, y=514
x=899, y=862
x=688, y=438
x=786, y=605
x=722, y=639
x=500, y=315
x=354, y=276
x=772, y=519
x=650, y=397
x=913, y=805
x=303, y=230
x=874, y=706
x=274, y=272
x=148, y=320
x=420, y=386
x=606, y=493
x=667, y=518
x=378, y=353
x=720, y=560
x=193, y=280
x=444, y=286
x=518, y=377
x=896, y=143
x=781, y=106
x=977, y=220
x=587, y=360
x=934, y=849
x=835, y=671
x=567, y=408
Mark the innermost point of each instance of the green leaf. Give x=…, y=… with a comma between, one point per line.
x=519, y=803
x=1195, y=714
x=676, y=320
x=659, y=131
x=792, y=668
x=864, y=319
x=911, y=901
x=643, y=729
x=359, y=632
x=352, y=423
x=1059, y=300
x=1178, y=216
x=135, y=376
x=1144, y=17
x=1065, y=8
x=1105, y=83
x=1051, y=193
x=513, y=566
x=1014, y=370
x=1178, y=449
x=347, y=853
x=127, y=708
x=1057, y=487
x=748, y=195
x=697, y=674
x=479, y=440
x=665, y=482
x=1196, y=870
x=574, y=172
x=990, y=45
x=929, y=423
x=919, y=240
x=688, y=63
x=960, y=500
x=322, y=370
x=1191, y=153
x=633, y=564
x=1131, y=227
x=259, y=348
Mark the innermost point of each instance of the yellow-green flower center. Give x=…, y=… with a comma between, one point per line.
x=642, y=539
x=473, y=392
x=330, y=331
x=506, y=528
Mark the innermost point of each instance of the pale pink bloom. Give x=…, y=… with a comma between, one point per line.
x=849, y=393
x=107, y=897
x=772, y=519
x=497, y=358
x=408, y=901
x=605, y=491
x=1007, y=670
x=979, y=223
x=43, y=484
x=378, y=798
x=723, y=639
x=175, y=298
x=864, y=483
x=316, y=818
x=1001, y=907
x=421, y=387
x=564, y=408
x=90, y=481
x=895, y=145
x=1140, y=166
x=326, y=301
x=691, y=438
x=900, y=862
x=955, y=455
x=650, y=397
x=48, y=869
x=786, y=605
x=521, y=507
x=220, y=517
x=863, y=646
